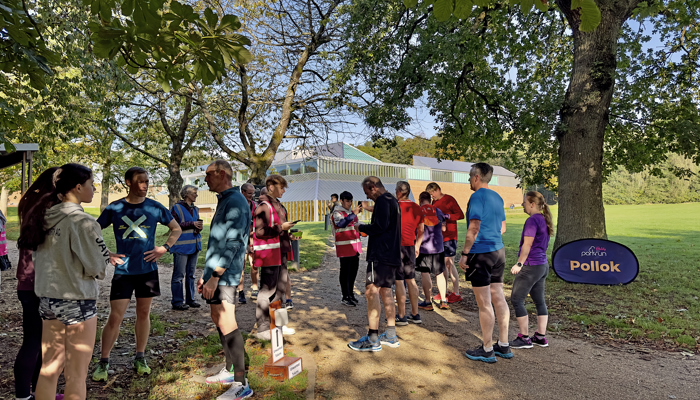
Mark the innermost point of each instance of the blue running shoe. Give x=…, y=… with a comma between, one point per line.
x=414, y=318
x=479, y=354
x=401, y=321
x=364, y=344
x=502, y=351
x=238, y=391
x=387, y=341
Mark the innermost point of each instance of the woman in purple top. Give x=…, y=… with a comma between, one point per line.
x=531, y=270
x=28, y=361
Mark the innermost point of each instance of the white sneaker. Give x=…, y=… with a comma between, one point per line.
x=264, y=335
x=237, y=391
x=224, y=377
x=288, y=331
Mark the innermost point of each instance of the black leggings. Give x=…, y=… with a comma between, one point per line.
x=28, y=362
x=273, y=285
x=531, y=280
x=348, y=274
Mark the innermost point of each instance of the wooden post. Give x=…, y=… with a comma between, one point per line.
x=280, y=367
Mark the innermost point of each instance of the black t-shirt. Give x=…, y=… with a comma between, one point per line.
x=384, y=231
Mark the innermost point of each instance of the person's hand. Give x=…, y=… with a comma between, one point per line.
x=463, y=263
x=287, y=226
x=515, y=270
x=200, y=285
x=210, y=287
x=417, y=252
x=155, y=254
x=199, y=225
x=447, y=216
x=365, y=204
x=293, y=238
x=357, y=210
x=116, y=259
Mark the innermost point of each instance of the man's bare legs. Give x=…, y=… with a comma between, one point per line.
x=451, y=272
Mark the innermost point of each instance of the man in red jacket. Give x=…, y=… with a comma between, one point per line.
x=453, y=213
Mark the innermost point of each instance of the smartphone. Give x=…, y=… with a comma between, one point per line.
x=296, y=221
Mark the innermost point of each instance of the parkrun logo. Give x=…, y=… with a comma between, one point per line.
x=594, y=251
x=595, y=266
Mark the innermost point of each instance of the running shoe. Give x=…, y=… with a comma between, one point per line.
x=194, y=304
x=264, y=335
x=401, y=321
x=354, y=299
x=254, y=295
x=287, y=330
x=364, y=344
x=414, y=318
x=181, y=307
x=437, y=297
x=479, y=354
x=289, y=304
x=521, y=342
x=241, y=297
x=237, y=391
x=348, y=302
x=392, y=342
x=453, y=298
x=542, y=341
x=224, y=377
x=100, y=373
x=444, y=305
x=502, y=351
x=141, y=367
x=425, y=305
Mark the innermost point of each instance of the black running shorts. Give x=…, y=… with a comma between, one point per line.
x=380, y=275
x=431, y=263
x=144, y=285
x=486, y=268
x=407, y=270
x=223, y=293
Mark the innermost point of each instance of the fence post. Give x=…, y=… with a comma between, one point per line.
x=315, y=210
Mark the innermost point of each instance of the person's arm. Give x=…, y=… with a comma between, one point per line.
x=472, y=232
x=105, y=218
x=380, y=221
x=91, y=250
x=159, y=251
x=263, y=230
x=183, y=224
x=456, y=213
x=419, y=237
x=503, y=227
x=524, y=252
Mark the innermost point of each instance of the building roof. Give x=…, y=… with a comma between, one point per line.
x=336, y=150
x=459, y=166
x=323, y=189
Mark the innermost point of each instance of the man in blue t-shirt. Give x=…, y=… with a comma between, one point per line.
x=483, y=260
x=134, y=219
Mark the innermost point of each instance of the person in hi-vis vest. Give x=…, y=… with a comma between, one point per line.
x=348, y=246
x=186, y=249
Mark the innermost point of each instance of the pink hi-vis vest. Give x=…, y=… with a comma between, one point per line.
x=347, y=240
x=267, y=252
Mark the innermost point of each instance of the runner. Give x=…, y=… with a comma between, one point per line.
x=186, y=249
x=483, y=260
x=383, y=259
x=272, y=246
x=248, y=191
x=411, y=239
x=450, y=209
x=531, y=270
x=431, y=258
x=70, y=255
x=28, y=361
x=348, y=246
x=134, y=220
x=225, y=261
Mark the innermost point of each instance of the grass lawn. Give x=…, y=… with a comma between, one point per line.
x=660, y=305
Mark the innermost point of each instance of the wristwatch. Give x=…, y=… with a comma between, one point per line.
x=463, y=253
x=215, y=274
x=519, y=264
x=167, y=247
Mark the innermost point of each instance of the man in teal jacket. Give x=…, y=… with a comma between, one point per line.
x=225, y=259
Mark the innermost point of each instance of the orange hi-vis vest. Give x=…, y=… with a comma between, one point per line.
x=267, y=252
x=347, y=240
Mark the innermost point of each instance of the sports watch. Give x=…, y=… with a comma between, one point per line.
x=519, y=264
x=167, y=247
x=215, y=274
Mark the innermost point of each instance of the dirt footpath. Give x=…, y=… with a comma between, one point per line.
x=428, y=364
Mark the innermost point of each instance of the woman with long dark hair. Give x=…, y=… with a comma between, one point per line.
x=69, y=255
x=28, y=361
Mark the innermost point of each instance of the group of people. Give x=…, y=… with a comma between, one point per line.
x=63, y=254
x=405, y=237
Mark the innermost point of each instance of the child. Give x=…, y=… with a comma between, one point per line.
x=348, y=246
x=431, y=257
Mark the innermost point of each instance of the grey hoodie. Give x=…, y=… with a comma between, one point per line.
x=72, y=256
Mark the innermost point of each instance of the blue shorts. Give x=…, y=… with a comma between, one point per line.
x=450, y=248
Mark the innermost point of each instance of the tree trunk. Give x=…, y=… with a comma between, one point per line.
x=584, y=117
x=175, y=179
x=106, y=182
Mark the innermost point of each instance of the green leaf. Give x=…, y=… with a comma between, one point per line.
x=230, y=22
x=163, y=82
x=211, y=17
x=463, y=8
x=410, y=3
x=442, y=9
x=542, y=5
x=590, y=16
x=526, y=6
x=128, y=7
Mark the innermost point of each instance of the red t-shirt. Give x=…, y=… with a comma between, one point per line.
x=448, y=205
x=411, y=216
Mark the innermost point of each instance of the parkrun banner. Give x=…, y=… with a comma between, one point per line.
x=596, y=262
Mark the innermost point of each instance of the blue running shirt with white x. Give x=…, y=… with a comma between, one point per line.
x=135, y=231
